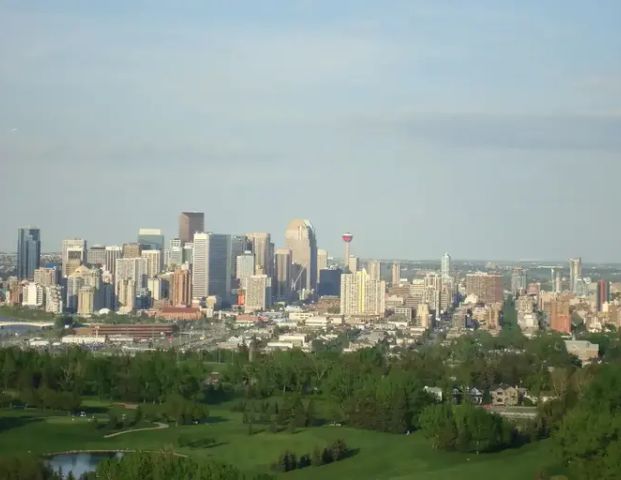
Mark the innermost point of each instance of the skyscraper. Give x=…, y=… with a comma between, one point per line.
x=73, y=255
x=200, y=265
x=244, y=268
x=518, y=281
x=181, y=291
x=352, y=264
x=154, y=262
x=219, y=277
x=28, y=252
x=174, y=253
x=603, y=293
x=575, y=273
x=261, y=246
x=151, y=239
x=132, y=250
x=189, y=224
x=282, y=274
x=374, y=269
x=96, y=256
x=322, y=260
x=396, y=274
x=113, y=252
x=300, y=239
x=445, y=267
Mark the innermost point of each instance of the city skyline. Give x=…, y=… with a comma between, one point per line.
x=480, y=129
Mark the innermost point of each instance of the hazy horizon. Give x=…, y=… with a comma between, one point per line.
x=485, y=130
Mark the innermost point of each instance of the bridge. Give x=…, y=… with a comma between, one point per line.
x=23, y=323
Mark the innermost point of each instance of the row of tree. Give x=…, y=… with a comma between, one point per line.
x=336, y=451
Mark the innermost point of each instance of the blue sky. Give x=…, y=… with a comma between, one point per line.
x=491, y=130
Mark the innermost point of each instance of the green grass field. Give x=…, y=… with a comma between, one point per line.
x=379, y=455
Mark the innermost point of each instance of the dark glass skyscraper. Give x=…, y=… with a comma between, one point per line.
x=28, y=252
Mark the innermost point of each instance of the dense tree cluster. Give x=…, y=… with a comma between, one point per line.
x=336, y=451
x=167, y=466
x=25, y=468
x=465, y=428
x=589, y=437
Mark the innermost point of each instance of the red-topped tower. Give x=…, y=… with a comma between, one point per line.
x=347, y=238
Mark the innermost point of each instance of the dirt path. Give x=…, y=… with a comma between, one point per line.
x=158, y=426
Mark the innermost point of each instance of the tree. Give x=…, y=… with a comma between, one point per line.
x=438, y=424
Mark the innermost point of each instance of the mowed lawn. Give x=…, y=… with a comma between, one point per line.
x=378, y=455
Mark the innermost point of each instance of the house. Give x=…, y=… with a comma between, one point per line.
x=476, y=396
x=435, y=392
x=506, y=396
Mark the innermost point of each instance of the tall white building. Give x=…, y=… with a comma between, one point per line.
x=200, y=265
x=154, y=262
x=258, y=293
x=132, y=269
x=575, y=273
x=174, y=253
x=374, y=269
x=445, y=267
x=352, y=264
x=113, y=253
x=360, y=295
x=33, y=295
x=244, y=268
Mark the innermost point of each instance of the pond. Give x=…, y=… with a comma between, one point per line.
x=79, y=463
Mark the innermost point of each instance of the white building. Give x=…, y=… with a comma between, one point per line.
x=33, y=295
x=360, y=295
x=154, y=262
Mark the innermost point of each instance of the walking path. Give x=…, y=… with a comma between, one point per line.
x=158, y=426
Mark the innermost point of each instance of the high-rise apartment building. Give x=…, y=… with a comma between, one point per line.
x=282, y=274
x=181, y=289
x=113, y=253
x=486, y=286
x=374, y=269
x=188, y=253
x=352, y=264
x=28, y=252
x=86, y=300
x=519, y=281
x=603, y=293
x=396, y=274
x=575, y=273
x=154, y=262
x=189, y=224
x=132, y=250
x=560, y=319
x=135, y=268
x=258, y=293
x=46, y=277
x=301, y=241
x=80, y=277
x=360, y=295
x=73, y=255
